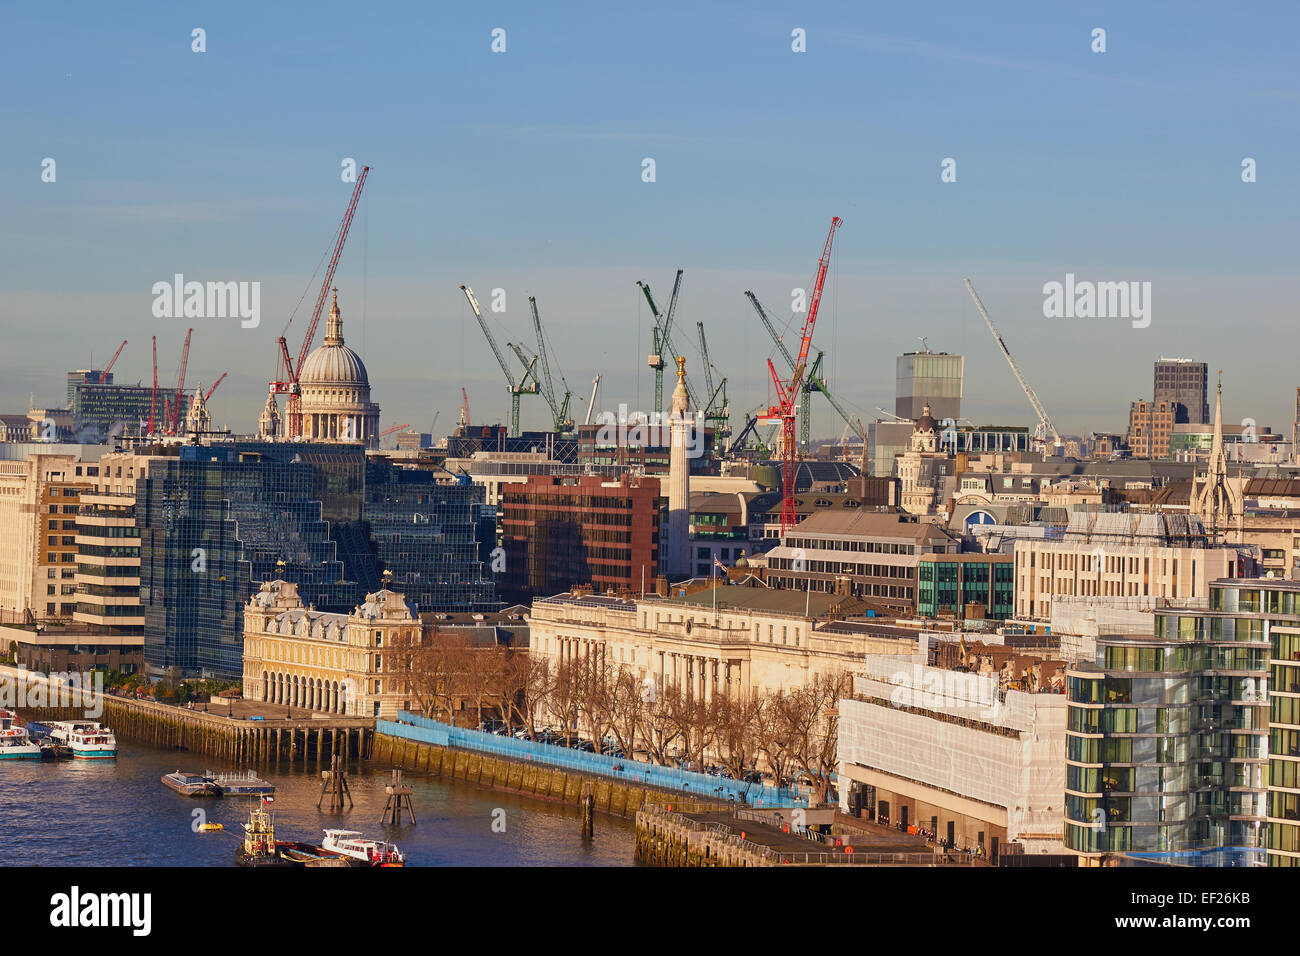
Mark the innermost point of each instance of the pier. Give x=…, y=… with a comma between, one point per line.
x=289, y=739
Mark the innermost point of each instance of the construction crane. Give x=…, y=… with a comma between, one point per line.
x=464, y=407
x=591, y=405
x=663, y=344
x=1045, y=426
x=559, y=408
x=814, y=382
x=788, y=393
x=286, y=374
x=214, y=386
x=388, y=431
x=717, y=411
x=153, y=396
x=103, y=376
x=174, y=423
x=517, y=388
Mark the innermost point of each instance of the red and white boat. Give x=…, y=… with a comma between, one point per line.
x=360, y=851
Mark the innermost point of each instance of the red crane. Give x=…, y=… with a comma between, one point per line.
x=175, y=423
x=214, y=386
x=788, y=395
x=153, y=397
x=286, y=371
x=388, y=431
x=464, y=406
x=103, y=376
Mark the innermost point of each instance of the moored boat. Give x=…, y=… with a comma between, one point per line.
x=261, y=848
x=363, y=852
x=237, y=784
x=15, y=742
x=83, y=739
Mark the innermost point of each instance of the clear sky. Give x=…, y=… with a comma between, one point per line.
x=522, y=170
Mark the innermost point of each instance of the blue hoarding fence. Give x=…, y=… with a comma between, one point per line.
x=429, y=731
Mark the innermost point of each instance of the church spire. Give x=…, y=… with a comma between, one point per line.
x=334, y=324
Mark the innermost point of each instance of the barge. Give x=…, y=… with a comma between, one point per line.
x=191, y=784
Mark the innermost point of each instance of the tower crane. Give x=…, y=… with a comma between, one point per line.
x=103, y=376
x=214, y=386
x=286, y=371
x=788, y=393
x=717, y=411
x=663, y=344
x=595, y=387
x=174, y=423
x=153, y=396
x=1045, y=426
x=517, y=388
x=559, y=408
x=815, y=382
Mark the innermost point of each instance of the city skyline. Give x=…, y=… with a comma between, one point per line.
x=469, y=185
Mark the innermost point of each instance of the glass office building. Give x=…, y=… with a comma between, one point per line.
x=929, y=378
x=953, y=582
x=1168, y=736
x=214, y=524
x=433, y=536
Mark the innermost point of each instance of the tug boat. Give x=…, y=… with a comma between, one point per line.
x=191, y=784
x=83, y=739
x=363, y=852
x=15, y=742
x=261, y=848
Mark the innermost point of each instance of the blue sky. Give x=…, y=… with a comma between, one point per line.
x=522, y=171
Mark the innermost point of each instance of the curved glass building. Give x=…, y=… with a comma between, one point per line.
x=1167, y=738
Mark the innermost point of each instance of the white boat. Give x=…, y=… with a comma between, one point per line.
x=85, y=739
x=15, y=742
x=363, y=852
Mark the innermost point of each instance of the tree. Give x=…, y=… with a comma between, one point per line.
x=811, y=717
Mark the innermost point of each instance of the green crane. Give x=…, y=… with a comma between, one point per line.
x=663, y=345
x=517, y=388
x=559, y=409
x=814, y=381
x=717, y=411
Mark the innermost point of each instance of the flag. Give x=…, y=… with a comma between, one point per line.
x=268, y=799
x=719, y=565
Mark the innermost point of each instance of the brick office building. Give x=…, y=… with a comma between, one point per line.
x=559, y=532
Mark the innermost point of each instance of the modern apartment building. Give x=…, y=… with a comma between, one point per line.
x=1167, y=745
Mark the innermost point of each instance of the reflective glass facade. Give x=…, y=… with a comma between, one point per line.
x=214, y=524
x=431, y=535
x=1167, y=741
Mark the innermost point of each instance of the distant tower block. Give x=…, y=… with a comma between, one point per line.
x=399, y=798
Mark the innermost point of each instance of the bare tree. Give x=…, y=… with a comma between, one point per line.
x=737, y=717
x=772, y=735
x=811, y=717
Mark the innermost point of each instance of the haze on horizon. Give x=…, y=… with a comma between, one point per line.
x=522, y=170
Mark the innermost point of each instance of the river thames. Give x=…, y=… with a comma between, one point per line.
x=118, y=813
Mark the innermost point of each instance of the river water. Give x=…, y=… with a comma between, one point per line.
x=118, y=813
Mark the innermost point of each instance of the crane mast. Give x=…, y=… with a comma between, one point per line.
x=1045, y=426
x=286, y=371
x=517, y=388
x=788, y=394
